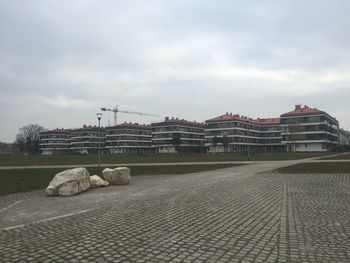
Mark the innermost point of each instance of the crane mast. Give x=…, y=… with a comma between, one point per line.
x=116, y=110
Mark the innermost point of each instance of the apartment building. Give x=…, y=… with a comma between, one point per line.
x=128, y=138
x=178, y=136
x=86, y=140
x=344, y=140
x=235, y=133
x=55, y=141
x=308, y=129
x=270, y=135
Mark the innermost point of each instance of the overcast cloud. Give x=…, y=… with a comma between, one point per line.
x=60, y=61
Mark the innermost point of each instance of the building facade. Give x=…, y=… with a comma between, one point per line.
x=270, y=135
x=344, y=140
x=304, y=129
x=308, y=129
x=235, y=133
x=128, y=138
x=178, y=136
x=87, y=140
x=55, y=142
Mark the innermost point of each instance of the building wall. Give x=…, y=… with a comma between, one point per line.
x=234, y=133
x=178, y=136
x=87, y=140
x=344, y=140
x=55, y=142
x=308, y=147
x=311, y=127
x=129, y=139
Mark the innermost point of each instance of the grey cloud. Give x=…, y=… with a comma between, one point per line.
x=62, y=60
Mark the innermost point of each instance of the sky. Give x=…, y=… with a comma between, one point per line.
x=61, y=61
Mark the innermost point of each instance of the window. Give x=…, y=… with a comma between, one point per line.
x=305, y=145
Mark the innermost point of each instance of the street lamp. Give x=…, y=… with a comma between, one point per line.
x=99, y=116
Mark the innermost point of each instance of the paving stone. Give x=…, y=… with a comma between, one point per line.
x=259, y=218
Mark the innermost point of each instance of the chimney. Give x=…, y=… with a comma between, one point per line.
x=298, y=107
x=226, y=112
x=166, y=118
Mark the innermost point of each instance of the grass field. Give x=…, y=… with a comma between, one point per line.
x=14, y=181
x=9, y=160
x=307, y=168
x=339, y=157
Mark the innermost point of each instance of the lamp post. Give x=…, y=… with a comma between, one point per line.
x=99, y=116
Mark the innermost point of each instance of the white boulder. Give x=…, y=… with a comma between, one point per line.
x=69, y=182
x=96, y=181
x=120, y=175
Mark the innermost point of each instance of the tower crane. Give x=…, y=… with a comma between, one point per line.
x=116, y=110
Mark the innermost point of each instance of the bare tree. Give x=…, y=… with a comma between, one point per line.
x=28, y=138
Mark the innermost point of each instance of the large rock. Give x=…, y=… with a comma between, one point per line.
x=96, y=181
x=120, y=175
x=69, y=182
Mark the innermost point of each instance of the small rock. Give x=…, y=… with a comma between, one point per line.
x=120, y=175
x=96, y=181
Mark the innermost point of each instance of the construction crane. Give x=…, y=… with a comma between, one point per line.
x=116, y=110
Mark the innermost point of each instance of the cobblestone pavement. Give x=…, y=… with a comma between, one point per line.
x=228, y=215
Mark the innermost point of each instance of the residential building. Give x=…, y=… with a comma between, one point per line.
x=128, y=138
x=87, y=140
x=55, y=141
x=270, y=135
x=308, y=129
x=235, y=133
x=178, y=136
x=344, y=140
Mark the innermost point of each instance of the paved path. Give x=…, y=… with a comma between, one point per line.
x=65, y=166
x=239, y=214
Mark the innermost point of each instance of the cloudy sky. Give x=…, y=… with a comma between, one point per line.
x=60, y=61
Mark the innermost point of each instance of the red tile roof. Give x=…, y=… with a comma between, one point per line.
x=269, y=121
x=57, y=130
x=298, y=111
x=237, y=117
x=230, y=117
x=177, y=121
x=130, y=126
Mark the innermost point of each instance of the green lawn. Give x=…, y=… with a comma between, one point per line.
x=9, y=160
x=339, y=157
x=14, y=181
x=307, y=168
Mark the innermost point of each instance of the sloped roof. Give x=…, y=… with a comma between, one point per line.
x=55, y=131
x=230, y=117
x=129, y=126
x=298, y=111
x=177, y=121
x=237, y=117
x=269, y=121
